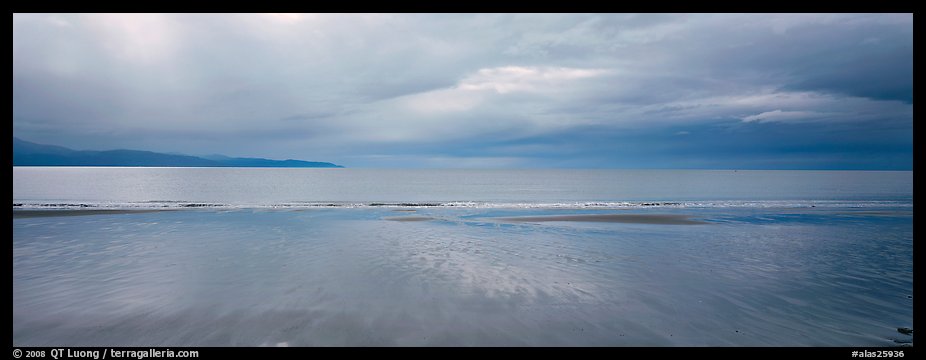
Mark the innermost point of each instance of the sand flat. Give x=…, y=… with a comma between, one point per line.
x=126, y=280
x=665, y=219
x=408, y=218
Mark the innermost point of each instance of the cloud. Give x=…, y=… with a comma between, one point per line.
x=343, y=86
x=490, y=84
x=778, y=115
x=508, y=79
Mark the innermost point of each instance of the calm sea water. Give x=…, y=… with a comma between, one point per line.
x=296, y=257
x=250, y=187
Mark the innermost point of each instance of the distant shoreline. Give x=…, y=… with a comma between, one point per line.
x=181, y=166
x=27, y=153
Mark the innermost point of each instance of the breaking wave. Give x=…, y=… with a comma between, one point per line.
x=173, y=204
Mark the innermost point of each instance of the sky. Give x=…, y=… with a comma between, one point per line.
x=689, y=91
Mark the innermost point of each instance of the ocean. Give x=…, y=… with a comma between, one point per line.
x=367, y=257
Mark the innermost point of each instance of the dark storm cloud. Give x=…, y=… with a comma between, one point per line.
x=659, y=90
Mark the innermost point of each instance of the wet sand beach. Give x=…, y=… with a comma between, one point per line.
x=664, y=219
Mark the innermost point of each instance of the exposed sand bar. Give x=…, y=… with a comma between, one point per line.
x=665, y=219
x=52, y=213
x=874, y=213
x=408, y=218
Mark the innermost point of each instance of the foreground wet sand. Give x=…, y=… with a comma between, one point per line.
x=352, y=277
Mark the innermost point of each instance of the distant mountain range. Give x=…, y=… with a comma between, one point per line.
x=27, y=153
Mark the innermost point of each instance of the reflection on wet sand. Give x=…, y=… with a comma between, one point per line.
x=664, y=219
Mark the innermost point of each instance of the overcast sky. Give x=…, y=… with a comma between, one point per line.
x=723, y=91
